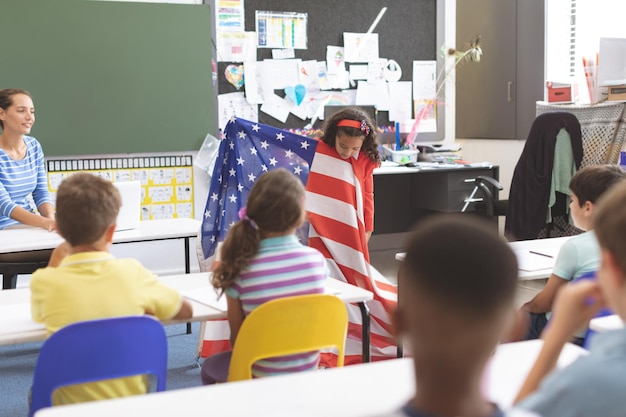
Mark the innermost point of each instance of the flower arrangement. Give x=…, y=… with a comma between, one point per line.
x=472, y=54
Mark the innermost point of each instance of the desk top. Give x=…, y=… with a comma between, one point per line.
x=26, y=238
x=606, y=323
x=394, y=168
x=535, y=265
x=338, y=392
x=17, y=326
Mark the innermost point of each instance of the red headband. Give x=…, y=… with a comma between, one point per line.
x=362, y=125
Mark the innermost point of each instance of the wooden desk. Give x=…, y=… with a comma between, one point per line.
x=17, y=326
x=404, y=195
x=29, y=239
x=345, y=392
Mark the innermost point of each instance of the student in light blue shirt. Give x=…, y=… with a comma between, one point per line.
x=22, y=170
x=580, y=255
x=593, y=385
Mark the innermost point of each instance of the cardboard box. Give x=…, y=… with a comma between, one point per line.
x=561, y=93
x=617, y=93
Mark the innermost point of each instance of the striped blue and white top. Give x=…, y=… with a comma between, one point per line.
x=20, y=179
x=283, y=267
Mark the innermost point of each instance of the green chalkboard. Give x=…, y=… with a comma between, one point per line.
x=109, y=77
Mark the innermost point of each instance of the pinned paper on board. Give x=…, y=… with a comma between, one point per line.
x=400, y=109
x=276, y=107
x=235, y=104
x=376, y=94
x=236, y=46
x=229, y=15
x=254, y=87
x=360, y=47
x=295, y=93
x=358, y=72
x=335, y=61
x=392, y=71
x=308, y=75
x=234, y=75
x=376, y=71
x=281, y=29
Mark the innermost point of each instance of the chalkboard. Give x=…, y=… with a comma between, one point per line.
x=110, y=77
x=409, y=30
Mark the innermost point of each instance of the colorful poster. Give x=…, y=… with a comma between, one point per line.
x=281, y=29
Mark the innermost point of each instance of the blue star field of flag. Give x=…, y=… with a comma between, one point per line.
x=248, y=150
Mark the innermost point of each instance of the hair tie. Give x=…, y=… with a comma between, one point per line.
x=362, y=125
x=243, y=216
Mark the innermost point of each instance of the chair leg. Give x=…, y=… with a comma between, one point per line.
x=9, y=281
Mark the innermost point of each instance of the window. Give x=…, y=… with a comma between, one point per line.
x=573, y=30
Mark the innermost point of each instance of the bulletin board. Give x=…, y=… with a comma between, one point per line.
x=166, y=181
x=410, y=30
x=111, y=77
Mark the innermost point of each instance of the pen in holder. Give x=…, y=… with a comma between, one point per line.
x=398, y=143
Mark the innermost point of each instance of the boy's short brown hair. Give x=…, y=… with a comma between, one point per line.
x=590, y=182
x=461, y=262
x=86, y=206
x=609, y=223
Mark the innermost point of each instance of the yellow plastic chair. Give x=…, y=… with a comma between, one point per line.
x=287, y=326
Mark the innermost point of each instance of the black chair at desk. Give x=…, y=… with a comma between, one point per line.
x=529, y=200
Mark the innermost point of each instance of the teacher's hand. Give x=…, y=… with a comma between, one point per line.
x=49, y=224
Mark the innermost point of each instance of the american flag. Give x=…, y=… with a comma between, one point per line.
x=334, y=206
x=248, y=150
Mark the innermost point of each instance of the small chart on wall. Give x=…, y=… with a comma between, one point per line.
x=166, y=181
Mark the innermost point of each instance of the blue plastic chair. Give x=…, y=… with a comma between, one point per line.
x=95, y=350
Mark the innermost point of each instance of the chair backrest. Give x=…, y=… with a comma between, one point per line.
x=95, y=350
x=532, y=178
x=591, y=276
x=288, y=326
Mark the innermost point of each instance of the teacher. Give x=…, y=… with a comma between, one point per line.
x=22, y=171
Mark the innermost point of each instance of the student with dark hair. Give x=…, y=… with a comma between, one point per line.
x=261, y=260
x=22, y=170
x=593, y=385
x=580, y=255
x=351, y=135
x=456, y=290
x=85, y=282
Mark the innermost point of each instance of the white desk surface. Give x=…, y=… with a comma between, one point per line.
x=606, y=323
x=26, y=238
x=532, y=266
x=17, y=326
x=345, y=392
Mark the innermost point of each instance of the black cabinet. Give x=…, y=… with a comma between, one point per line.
x=400, y=200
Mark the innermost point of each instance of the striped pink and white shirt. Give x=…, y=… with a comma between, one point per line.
x=283, y=267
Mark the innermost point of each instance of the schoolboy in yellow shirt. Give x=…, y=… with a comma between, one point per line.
x=85, y=282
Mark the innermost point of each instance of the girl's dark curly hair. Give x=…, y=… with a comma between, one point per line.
x=370, y=145
x=275, y=204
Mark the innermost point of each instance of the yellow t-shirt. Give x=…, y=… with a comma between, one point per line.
x=96, y=285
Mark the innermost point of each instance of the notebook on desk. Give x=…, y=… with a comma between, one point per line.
x=129, y=216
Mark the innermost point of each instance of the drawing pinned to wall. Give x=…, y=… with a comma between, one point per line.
x=360, y=47
x=234, y=74
x=281, y=29
x=236, y=46
x=335, y=59
x=166, y=181
x=229, y=15
x=235, y=104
